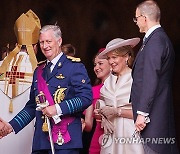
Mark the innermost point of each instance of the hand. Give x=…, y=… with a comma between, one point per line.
x=2, y=127
x=140, y=123
x=97, y=116
x=83, y=124
x=110, y=112
x=5, y=128
x=41, y=106
x=96, y=111
x=107, y=125
x=49, y=111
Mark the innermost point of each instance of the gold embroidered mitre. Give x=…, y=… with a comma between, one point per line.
x=27, y=28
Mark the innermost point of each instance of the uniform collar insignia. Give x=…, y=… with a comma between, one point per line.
x=60, y=64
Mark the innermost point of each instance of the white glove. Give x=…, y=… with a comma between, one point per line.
x=56, y=119
x=41, y=106
x=110, y=112
x=107, y=125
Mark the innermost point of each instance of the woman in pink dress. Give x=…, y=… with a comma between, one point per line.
x=102, y=71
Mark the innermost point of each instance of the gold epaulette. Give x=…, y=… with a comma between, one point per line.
x=74, y=59
x=41, y=62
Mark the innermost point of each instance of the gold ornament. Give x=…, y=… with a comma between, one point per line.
x=40, y=98
x=74, y=59
x=60, y=76
x=59, y=95
x=11, y=106
x=45, y=125
x=59, y=64
x=83, y=81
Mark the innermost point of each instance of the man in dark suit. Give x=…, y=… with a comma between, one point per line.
x=66, y=87
x=151, y=93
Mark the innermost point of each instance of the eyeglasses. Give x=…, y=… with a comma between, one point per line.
x=135, y=18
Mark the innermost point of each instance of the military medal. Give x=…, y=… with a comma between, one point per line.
x=60, y=139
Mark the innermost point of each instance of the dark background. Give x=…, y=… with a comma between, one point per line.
x=91, y=24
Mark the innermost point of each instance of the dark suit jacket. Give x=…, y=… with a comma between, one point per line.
x=152, y=90
x=78, y=96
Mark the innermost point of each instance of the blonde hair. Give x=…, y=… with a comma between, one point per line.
x=126, y=51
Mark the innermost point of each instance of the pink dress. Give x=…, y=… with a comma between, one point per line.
x=95, y=146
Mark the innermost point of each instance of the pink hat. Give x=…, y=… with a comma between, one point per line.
x=100, y=50
x=117, y=43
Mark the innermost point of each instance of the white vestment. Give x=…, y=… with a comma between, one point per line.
x=20, y=143
x=116, y=92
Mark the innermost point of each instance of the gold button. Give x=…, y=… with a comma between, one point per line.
x=83, y=81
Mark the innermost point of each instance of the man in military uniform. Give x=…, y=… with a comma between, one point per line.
x=15, y=81
x=60, y=91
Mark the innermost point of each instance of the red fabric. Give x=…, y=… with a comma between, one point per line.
x=14, y=74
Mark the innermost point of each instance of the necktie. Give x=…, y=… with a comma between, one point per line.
x=144, y=39
x=47, y=70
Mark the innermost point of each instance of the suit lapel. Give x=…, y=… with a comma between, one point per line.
x=144, y=44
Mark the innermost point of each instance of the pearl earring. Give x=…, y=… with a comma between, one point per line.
x=126, y=62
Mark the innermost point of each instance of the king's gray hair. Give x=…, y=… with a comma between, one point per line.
x=56, y=29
